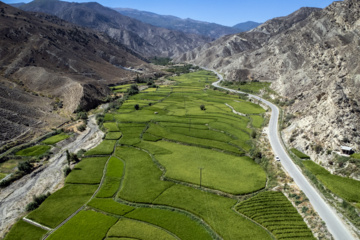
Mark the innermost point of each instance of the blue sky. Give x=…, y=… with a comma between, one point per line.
x=225, y=12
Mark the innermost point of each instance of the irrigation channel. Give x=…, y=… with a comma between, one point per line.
x=335, y=225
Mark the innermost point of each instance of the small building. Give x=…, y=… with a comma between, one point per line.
x=346, y=150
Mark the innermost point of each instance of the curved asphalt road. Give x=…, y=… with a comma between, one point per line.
x=335, y=225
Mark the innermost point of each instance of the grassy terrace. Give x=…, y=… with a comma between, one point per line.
x=346, y=188
x=55, y=139
x=149, y=163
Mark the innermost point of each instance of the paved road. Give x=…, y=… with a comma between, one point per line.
x=335, y=225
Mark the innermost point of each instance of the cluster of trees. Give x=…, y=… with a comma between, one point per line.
x=37, y=200
x=182, y=69
x=163, y=61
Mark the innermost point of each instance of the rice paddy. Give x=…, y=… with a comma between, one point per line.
x=152, y=187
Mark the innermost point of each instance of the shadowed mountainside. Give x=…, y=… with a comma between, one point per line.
x=143, y=38
x=49, y=67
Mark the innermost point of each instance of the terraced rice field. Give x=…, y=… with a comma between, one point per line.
x=275, y=212
x=143, y=180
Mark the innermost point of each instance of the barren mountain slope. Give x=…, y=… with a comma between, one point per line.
x=143, y=38
x=46, y=62
x=188, y=25
x=220, y=52
x=314, y=62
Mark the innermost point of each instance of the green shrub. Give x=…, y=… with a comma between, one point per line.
x=82, y=127
x=67, y=171
x=25, y=167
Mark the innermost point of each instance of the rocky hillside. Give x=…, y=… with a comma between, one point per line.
x=314, y=62
x=188, y=25
x=221, y=52
x=49, y=67
x=143, y=38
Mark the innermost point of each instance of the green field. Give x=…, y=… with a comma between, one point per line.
x=220, y=171
x=113, y=135
x=86, y=225
x=215, y=210
x=106, y=147
x=55, y=139
x=130, y=228
x=151, y=171
x=61, y=204
x=111, y=126
x=275, y=212
x=249, y=87
x=113, y=176
x=33, y=151
x=180, y=224
x=356, y=155
x=88, y=171
x=299, y=154
x=110, y=206
x=23, y=230
x=141, y=174
x=346, y=188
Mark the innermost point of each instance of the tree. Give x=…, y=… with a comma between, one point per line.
x=133, y=90
x=137, y=107
x=202, y=107
x=25, y=167
x=68, y=157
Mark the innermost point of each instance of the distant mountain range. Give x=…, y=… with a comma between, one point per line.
x=188, y=25
x=143, y=38
x=246, y=26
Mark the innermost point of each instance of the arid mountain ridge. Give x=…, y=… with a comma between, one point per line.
x=50, y=67
x=311, y=58
x=188, y=25
x=142, y=38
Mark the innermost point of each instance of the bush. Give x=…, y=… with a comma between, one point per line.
x=66, y=171
x=82, y=127
x=133, y=90
x=25, y=167
x=37, y=200
x=318, y=148
x=253, y=134
x=82, y=115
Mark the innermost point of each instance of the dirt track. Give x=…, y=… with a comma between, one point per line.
x=47, y=178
